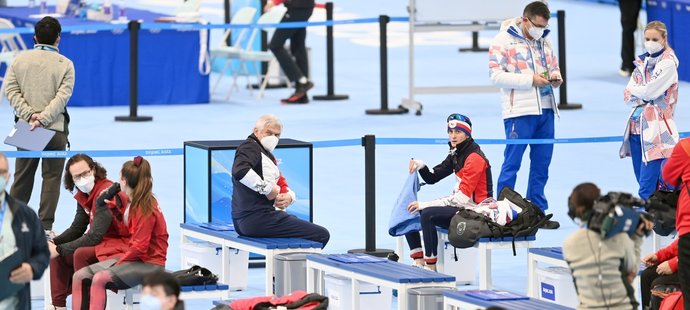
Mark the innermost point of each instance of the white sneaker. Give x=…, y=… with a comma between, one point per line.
x=430, y=267
x=624, y=73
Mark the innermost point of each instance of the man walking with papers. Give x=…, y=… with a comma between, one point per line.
x=24, y=251
x=39, y=84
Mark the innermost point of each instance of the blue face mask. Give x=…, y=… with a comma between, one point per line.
x=149, y=302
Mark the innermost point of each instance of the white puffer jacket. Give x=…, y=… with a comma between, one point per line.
x=512, y=67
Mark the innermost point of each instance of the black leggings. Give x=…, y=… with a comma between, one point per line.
x=431, y=218
x=294, y=69
x=684, y=267
x=649, y=279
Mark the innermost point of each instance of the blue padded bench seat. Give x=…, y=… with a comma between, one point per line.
x=262, y=243
x=203, y=288
x=527, y=304
x=492, y=239
x=555, y=253
x=386, y=270
x=222, y=302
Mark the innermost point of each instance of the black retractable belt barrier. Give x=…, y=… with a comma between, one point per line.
x=330, y=71
x=369, y=144
x=563, y=90
x=383, y=36
x=133, y=27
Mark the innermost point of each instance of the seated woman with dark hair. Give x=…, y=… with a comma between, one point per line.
x=147, y=248
x=76, y=247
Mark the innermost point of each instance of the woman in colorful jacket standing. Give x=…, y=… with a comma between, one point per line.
x=651, y=133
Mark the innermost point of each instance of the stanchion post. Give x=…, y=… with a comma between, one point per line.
x=383, y=53
x=226, y=15
x=330, y=71
x=475, y=43
x=369, y=144
x=563, y=90
x=133, y=27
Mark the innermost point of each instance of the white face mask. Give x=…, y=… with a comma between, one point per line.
x=149, y=302
x=3, y=184
x=269, y=142
x=536, y=32
x=85, y=184
x=653, y=47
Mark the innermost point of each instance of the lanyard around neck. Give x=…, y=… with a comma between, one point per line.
x=46, y=48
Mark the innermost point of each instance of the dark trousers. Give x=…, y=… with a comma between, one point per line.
x=684, y=267
x=649, y=280
x=51, y=173
x=294, y=69
x=62, y=269
x=430, y=218
x=280, y=224
x=630, y=11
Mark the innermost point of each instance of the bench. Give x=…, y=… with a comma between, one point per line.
x=385, y=273
x=209, y=291
x=554, y=256
x=269, y=247
x=460, y=300
x=485, y=246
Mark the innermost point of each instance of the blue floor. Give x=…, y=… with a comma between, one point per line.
x=593, y=62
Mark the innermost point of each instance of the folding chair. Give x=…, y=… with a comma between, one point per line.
x=248, y=55
x=244, y=16
x=10, y=45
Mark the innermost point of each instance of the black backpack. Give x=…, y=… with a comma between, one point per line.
x=196, y=275
x=467, y=227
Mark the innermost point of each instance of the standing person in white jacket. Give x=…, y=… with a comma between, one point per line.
x=522, y=63
x=650, y=132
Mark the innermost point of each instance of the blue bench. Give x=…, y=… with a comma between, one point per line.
x=268, y=247
x=485, y=246
x=460, y=300
x=386, y=273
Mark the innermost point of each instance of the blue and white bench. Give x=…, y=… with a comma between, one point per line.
x=485, y=246
x=269, y=247
x=387, y=273
x=460, y=300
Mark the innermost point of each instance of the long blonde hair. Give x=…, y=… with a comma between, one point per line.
x=661, y=28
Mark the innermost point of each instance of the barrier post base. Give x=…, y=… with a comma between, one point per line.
x=385, y=111
x=376, y=252
x=269, y=85
x=330, y=97
x=473, y=49
x=570, y=106
x=133, y=118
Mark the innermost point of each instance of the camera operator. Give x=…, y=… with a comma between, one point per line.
x=603, y=265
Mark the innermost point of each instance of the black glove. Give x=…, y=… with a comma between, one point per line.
x=108, y=194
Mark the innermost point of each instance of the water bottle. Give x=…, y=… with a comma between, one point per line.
x=44, y=7
x=32, y=3
x=121, y=5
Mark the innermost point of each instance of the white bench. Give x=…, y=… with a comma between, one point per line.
x=387, y=274
x=269, y=247
x=460, y=300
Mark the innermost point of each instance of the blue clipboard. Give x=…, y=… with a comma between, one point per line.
x=24, y=138
x=494, y=295
x=7, y=265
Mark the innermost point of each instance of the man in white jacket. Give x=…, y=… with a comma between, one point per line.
x=523, y=65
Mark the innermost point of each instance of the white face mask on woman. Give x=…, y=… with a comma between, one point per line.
x=85, y=184
x=653, y=47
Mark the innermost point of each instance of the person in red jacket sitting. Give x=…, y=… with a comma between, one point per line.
x=148, y=245
x=473, y=174
x=76, y=247
x=662, y=269
x=677, y=173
